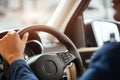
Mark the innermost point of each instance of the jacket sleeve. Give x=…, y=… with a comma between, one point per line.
x=19, y=70
x=105, y=64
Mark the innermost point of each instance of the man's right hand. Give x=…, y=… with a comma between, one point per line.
x=12, y=47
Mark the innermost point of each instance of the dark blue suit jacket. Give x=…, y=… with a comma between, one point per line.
x=104, y=65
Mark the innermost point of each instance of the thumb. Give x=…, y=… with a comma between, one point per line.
x=25, y=37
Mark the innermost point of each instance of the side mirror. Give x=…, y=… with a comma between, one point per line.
x=99, y=32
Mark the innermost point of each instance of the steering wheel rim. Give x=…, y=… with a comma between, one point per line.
x=62, y=38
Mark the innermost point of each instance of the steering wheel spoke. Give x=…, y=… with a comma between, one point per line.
x=66, y=57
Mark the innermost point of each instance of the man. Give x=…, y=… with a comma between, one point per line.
x=104, y=65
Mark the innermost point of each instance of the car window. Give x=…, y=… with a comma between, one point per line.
x=99, y=9
x=99, y=20
x=21, y=13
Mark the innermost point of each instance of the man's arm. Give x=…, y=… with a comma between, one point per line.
x=19, y=70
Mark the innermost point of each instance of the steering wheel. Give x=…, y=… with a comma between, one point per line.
x=51, y=65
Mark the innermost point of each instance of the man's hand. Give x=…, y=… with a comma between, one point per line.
x=12, y=47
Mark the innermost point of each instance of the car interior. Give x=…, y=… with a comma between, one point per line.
x=61, y=42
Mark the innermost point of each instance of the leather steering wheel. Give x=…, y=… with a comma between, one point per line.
x=50, y=66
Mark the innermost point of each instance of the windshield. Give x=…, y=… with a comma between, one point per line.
x=21, y=13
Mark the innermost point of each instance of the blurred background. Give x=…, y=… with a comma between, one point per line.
x=19, y=13
x=99, y=9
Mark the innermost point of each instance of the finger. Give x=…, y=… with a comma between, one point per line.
x=25, y=37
